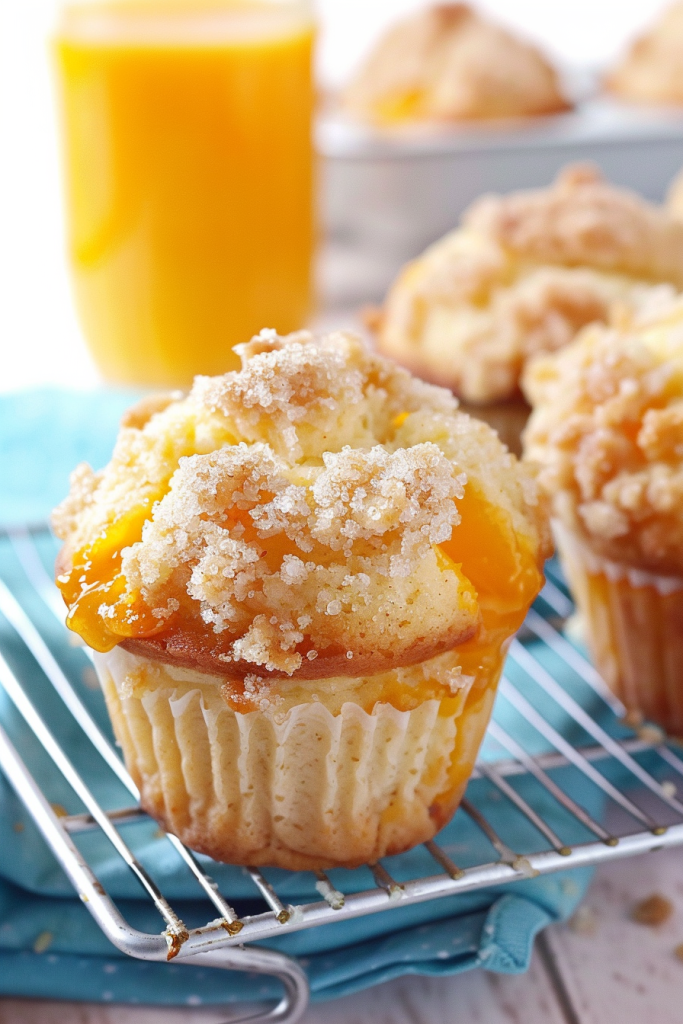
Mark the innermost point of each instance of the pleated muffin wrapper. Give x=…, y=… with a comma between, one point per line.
x=634, y=628
x=303, y=788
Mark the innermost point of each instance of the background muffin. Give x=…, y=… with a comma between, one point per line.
x=652, y=70
x=447, y=63
x=305, y=574
x=521, y=275
x=607, y=433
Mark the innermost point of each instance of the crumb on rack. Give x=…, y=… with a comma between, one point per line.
x=43, y=942
x=653, y=911
x=584, y=921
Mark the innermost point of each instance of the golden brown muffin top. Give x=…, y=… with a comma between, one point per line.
x=299, y=516
x=651, y=70
x=583, y=220
x=607, y=433
x=447, y=63
x=521, y=275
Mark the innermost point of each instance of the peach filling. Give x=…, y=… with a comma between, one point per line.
x=484, y=550
x=94, y=588
x=500, y=565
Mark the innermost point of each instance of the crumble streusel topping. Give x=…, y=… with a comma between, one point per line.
x=607, y=432
x=522, y=275
x=296, y=505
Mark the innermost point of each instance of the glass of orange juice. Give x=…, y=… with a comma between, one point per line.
x=189, y=178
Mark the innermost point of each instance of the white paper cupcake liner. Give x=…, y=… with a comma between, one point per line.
x=303, y=789
x=634, y=628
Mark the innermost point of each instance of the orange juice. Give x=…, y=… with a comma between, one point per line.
x=188, y=152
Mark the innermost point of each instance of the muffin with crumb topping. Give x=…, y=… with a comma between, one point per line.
x=300, y=580
x=607, y=436
x=447, y=64
x=650, y=71
x=521, y=275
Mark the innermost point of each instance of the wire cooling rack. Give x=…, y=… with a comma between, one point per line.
x=529, y=687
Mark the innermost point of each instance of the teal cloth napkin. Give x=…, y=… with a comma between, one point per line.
x=44, y=434
x=49, y=944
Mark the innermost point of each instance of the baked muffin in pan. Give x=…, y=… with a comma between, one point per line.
x=448, y=64
x=652, y=69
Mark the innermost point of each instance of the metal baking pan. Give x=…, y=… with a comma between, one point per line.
x=387, y=195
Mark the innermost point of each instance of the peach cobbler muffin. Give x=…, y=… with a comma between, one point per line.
x=652, y=70
x=607, y=434
x=301, y=579
x=447, y=63
x=521, y=275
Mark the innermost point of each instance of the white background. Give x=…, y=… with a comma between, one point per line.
x=39, y=339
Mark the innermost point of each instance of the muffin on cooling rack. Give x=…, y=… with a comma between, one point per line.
x=607, y=434
x=652, y=70
x=301, y=579
x=446, y=63
x=521, y=275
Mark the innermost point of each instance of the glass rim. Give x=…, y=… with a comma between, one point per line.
x=181, y=21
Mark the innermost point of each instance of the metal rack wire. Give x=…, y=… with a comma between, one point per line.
x=220, y=942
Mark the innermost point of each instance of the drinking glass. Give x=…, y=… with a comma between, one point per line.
x=189, y=178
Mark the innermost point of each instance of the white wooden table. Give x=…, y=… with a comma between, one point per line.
x=605, y=969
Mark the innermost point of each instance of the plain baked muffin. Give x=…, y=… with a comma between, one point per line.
x=521, y=275
x=447, y=63
x=607, y=433
x=301, y=579
x=652, y=70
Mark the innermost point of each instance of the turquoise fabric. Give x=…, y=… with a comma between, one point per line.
x=42, y=436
